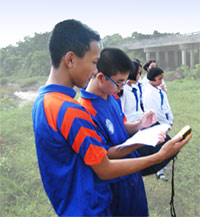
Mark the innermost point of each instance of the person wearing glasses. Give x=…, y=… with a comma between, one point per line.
x=129, y=197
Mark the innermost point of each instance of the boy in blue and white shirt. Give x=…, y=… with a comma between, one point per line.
x=129, y=197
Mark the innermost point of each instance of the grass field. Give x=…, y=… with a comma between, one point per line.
x=22, y=192
x=184, y=97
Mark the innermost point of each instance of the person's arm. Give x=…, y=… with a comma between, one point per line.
x=109, y=169
x=147, y=120
x=116, y=152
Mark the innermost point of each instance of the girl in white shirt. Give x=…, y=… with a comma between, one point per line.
x=130, y=99
x=147, y=66
x=155, y=98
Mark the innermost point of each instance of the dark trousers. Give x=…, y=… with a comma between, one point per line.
x=149, y=150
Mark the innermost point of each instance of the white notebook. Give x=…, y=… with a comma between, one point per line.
x=148, y=136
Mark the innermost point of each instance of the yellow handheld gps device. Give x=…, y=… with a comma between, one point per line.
x=185, y=132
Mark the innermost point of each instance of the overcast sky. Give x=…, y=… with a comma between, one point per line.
x=20, y=18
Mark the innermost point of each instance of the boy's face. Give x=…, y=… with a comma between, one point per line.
x=115, y=83
x=85, y=67
x=158, y=80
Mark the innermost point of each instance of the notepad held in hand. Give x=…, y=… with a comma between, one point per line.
x=148, y=136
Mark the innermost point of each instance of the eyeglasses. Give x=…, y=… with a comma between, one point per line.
x=117, y=85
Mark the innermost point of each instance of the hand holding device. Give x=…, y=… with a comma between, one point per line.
x=185, y=131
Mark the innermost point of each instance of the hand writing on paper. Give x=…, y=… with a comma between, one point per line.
x=148, y=119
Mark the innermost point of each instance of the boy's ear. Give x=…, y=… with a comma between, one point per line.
x=100, y=76
x=69, y=58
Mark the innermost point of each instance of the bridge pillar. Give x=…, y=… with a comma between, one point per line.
x=166, y=58
x=157, y=56
x=147, y=55
x=176, y=58
x=183, y=52
x=192, y=58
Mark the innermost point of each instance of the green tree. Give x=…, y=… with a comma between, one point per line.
x=29, y=58
x=112, y=40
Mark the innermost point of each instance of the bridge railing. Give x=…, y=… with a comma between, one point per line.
x=164, y=41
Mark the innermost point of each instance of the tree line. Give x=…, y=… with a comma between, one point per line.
x=30, y=57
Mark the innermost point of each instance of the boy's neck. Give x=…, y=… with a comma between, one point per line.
x=94, y=88
x=59, y=76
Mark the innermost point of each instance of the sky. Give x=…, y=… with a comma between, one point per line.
x=21, y=18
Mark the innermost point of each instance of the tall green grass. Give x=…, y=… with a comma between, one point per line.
x=21, y=190
x=184, y=97
x=22, y=193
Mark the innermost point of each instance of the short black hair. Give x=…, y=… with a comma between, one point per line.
x=70, y=35
x=134, y=71
x=153, y=72
x=112, y=61
x=147, y=64
x=138, y=61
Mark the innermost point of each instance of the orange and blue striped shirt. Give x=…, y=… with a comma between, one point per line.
x=67, y=142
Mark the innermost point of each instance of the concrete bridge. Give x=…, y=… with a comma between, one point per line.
x=171, y=51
